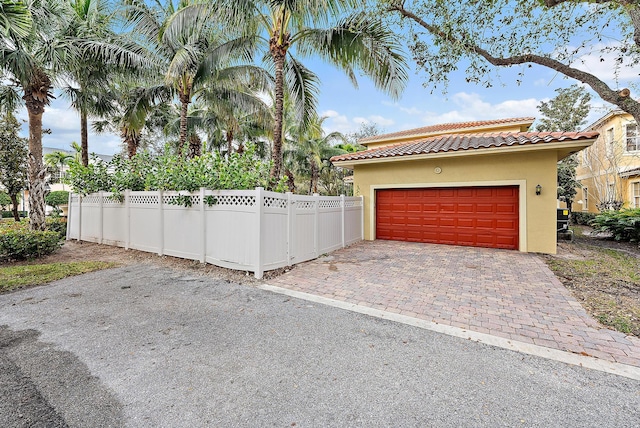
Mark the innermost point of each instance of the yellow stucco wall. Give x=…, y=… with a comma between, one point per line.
x=526, y=169
x=598, y=165
x=479, y=130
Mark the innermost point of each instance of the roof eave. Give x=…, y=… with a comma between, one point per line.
x=558, y=146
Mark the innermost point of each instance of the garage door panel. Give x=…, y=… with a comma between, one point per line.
x=472, y=216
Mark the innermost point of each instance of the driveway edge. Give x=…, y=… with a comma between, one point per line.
x=619, y=369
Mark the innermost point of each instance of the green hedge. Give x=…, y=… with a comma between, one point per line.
x=9, y=214
x=17, y=242
x=624, y=225
x=583, y=218
x=57, y=198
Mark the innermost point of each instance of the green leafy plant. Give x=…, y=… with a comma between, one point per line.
x=624, y=225
x=172, y=172
x=18, y=242
x=584, y=218
x=58, y=225
x=57, y=198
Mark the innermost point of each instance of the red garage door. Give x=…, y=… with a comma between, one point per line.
x=470, y=216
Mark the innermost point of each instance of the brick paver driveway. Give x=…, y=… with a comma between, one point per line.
x=503, y=293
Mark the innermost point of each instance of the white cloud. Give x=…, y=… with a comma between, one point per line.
x=341, y=123
x=602, y=62
x=64, y=124
x=471, y=107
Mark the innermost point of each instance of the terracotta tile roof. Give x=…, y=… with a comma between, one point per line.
x=446, y=127
x=457, y=142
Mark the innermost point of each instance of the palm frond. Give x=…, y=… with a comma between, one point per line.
x=303, y=88
x=361, y=41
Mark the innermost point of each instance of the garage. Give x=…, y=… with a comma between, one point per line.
x=482, y=184
x=469, y=216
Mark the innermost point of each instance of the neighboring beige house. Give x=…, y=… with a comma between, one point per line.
x=484, y=183
x=609, y=170
x=54, y=180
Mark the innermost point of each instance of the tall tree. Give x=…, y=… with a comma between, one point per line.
x=566, y=112
x=13, y=160
x=57, y=160
x=86, y=76
x=27, y=63
x=355, y=41
x=555, y=34
x=190, y=43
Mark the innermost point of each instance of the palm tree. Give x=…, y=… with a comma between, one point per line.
x=15, y=19
x=310, y=150
x=30, y=63
x=87, y=76
x=356, y=41
x=57, y=160
x=191, y=44
x=26, y=62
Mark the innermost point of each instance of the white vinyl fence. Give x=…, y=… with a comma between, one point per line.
x=252, y=230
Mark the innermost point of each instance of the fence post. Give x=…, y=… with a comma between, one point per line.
x=101, y=216
x=290, y=221
x=361, y=218
x=203, y=218
x=316, y=225
x=342, y=218
x=259, y=269
x=127, y=213
x=67, y=236
x=79, y=218
x=161, y=214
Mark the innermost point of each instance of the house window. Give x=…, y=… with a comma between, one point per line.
x=635, y=192
x=633, y=139
x=585, y=199
x=609, y=142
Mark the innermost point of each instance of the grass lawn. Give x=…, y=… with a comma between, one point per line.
x=12, y=277
x=606, y=281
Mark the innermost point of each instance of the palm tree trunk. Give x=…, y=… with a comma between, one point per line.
x=185, y=100
x=37, y=171
x=278, y=54
x=14, y=203
x=314, y=178
x=84, y=137
x=195, y=145
x=229, y=143
x=36, y=95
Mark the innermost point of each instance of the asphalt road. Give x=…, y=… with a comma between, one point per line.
x=143, y=346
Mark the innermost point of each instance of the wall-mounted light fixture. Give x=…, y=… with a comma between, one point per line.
x=538, y=189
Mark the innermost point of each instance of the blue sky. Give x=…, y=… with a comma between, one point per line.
x=347, y=107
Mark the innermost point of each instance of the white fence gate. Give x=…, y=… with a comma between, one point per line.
x=252, y=230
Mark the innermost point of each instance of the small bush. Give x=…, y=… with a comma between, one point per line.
x=57, y=198
x=17, y=242
x=623, y=225
x=9, y=214
x=58, y=225
x=582, y=218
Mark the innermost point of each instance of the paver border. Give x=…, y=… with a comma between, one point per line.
x=619, y=369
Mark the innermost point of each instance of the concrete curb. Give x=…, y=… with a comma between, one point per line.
x=593, y=363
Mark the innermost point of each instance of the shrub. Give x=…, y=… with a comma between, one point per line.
x=170, y=171
x=57, y=198
x=9, y=214
x=58, y=225
x=582, y=218
x=623, y=225
x=17, y=242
